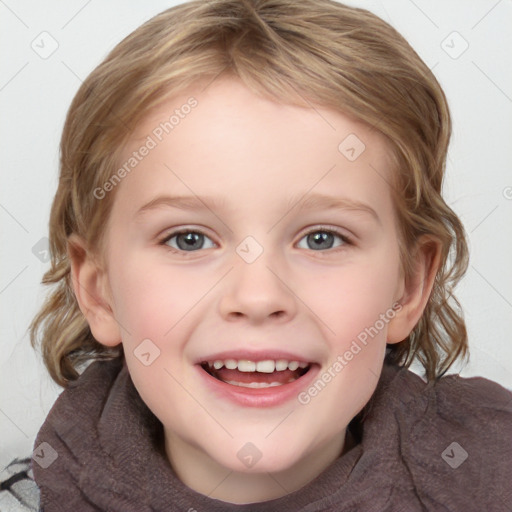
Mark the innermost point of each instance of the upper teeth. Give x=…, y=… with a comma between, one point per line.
x=267, y=366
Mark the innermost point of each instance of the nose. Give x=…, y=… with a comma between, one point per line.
x=257, y=292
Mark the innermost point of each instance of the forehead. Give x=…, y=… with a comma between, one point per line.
x=243, y=150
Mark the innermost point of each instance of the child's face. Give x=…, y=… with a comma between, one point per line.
x=254, y=285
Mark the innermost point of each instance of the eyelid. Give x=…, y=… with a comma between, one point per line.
x=347, y=239
x=178, y=231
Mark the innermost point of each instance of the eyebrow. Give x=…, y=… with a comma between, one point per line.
x=317, y=201
x=183, y=203
x=312, y=202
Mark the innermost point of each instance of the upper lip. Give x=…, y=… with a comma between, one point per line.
x=260, y=355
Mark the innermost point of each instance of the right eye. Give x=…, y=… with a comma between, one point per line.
x=187, y=241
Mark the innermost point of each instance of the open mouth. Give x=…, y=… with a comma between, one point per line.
x=252, y=374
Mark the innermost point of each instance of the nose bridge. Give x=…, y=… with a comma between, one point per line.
x=255, y=289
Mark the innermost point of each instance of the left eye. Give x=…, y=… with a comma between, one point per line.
x=188, y=241
x=323, y=239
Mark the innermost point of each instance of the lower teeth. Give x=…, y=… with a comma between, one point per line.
x=255, y=384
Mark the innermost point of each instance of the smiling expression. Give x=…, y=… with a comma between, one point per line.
x=249, y=234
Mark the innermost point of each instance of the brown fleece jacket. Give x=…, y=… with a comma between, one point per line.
x=446, y=446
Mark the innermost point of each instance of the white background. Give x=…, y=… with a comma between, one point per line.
x=35, y=94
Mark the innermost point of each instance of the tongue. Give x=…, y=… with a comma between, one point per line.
x=235, y=375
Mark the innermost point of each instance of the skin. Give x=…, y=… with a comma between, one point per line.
x=253, y=155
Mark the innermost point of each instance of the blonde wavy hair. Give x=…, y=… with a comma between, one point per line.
x=335, y=56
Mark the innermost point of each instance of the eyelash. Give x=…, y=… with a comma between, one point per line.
x=345, y=241
x=319, y=229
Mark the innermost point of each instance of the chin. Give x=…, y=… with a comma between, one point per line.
x=260, y=457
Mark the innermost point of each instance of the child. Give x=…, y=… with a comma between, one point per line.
x=250, y=245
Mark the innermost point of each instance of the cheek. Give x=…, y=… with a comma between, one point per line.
x=151, y=303
x=351, y=298
x=149, y=299
x=354, y=305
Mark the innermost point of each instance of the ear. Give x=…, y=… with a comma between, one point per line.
x=416, y=290
x=90, y=285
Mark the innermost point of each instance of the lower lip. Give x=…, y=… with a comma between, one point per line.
x=259, y=397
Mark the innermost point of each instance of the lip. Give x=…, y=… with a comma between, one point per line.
x=258, y=397
x=260, y=355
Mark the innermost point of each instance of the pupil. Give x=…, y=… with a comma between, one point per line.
x=190, y=241
x=321, y=240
